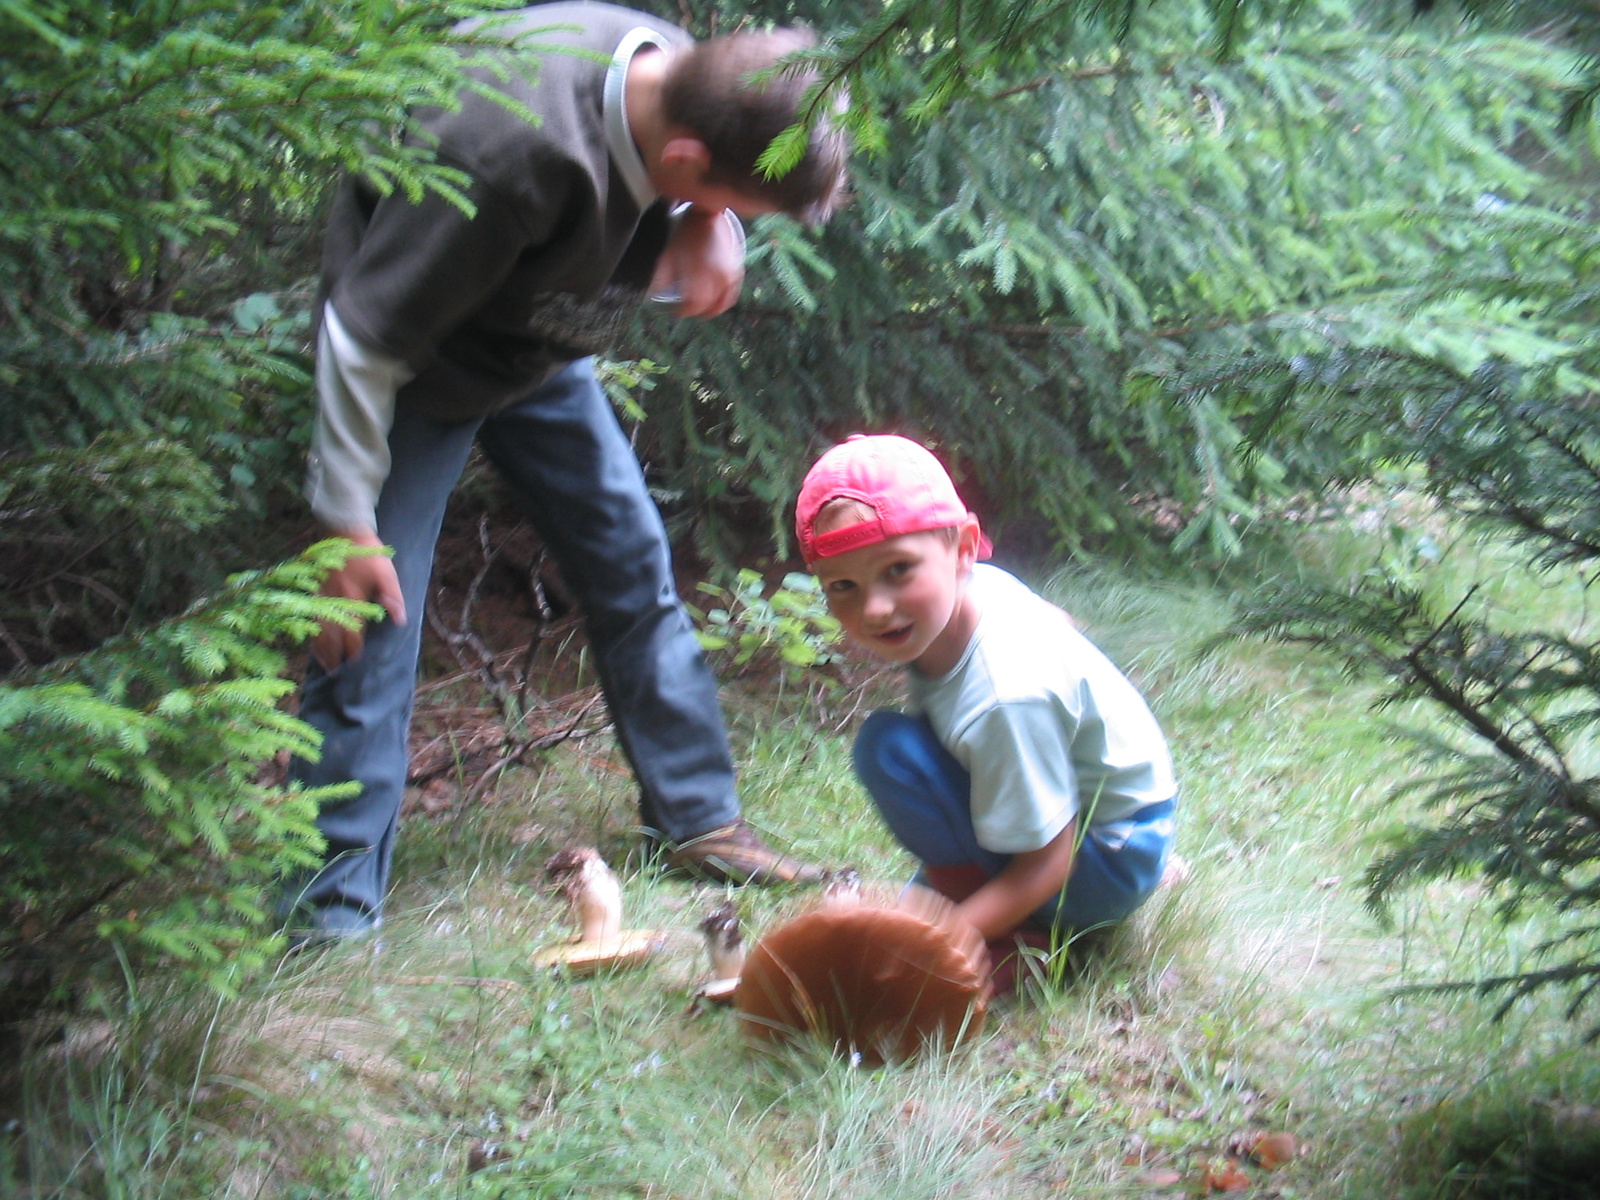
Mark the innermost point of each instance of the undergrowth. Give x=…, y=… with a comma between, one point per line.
x=1256, y=996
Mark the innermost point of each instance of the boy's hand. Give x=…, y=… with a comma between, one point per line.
x=1023, y=884
x=368, y=577
x=703, y=264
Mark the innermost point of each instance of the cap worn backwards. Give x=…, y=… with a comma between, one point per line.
x=905, y=486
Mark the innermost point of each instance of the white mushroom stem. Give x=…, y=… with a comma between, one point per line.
x=718, y=991
x=596, y=899
x=724, y=943
x=727, y=961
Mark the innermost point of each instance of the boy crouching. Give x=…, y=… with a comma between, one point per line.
x=1029, y=778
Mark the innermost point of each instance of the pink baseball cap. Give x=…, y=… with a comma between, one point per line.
x=902, y=482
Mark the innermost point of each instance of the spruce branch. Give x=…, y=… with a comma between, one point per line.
x=1454, y=698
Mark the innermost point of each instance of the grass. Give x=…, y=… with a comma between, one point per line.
x=1259, y=995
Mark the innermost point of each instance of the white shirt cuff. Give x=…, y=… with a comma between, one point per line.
x=349, y=461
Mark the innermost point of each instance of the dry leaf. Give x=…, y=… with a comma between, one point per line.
x=1159, y=1177
x=1226, y=1176
x=482, y=1154
x=437, y=796
x=1272, y=1150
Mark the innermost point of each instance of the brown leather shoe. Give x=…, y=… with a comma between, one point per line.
x=736, y=854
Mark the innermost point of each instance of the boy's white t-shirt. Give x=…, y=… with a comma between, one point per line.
x=1042, y=721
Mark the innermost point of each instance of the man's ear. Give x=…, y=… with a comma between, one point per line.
x=686, y=154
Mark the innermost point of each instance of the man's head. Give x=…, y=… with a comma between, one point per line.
x=710, y=91
x=881, y=525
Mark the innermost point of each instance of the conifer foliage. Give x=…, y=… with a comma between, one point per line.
x=130, y=801
x=163, y=161
x=1181, y=258
x=1509, y=788
x=163, y=165
x=1100, y=207
x=1498, y=421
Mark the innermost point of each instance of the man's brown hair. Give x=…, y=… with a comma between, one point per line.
x=708, y=89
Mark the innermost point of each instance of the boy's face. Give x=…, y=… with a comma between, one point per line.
x=904, y=599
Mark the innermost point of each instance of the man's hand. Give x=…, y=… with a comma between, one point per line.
x=369, y=577
x=703, y=264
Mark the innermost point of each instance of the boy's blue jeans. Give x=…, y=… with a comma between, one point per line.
x=574, y=474
x=925, y=797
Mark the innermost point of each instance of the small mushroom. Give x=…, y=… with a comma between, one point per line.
x=725, y=945
x=842, y=887
x=594, y=898
x=592, y=891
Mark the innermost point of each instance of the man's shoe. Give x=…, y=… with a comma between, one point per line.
x=315, y=928
x=736, y=854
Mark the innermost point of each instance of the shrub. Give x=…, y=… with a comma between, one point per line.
x=132, y=804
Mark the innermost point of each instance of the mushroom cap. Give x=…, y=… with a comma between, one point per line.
x=573, y=871
x=630, y=948
x=842, y=886
x=722, y=925
x=881, y=979
x=570, y=860
x=718, y=991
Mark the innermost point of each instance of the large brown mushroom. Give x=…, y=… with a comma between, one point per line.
x=594, y=899
x=878, y=978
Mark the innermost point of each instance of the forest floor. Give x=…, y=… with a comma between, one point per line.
x=1257, y=997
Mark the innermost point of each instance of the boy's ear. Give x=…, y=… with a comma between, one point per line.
x=967, y=546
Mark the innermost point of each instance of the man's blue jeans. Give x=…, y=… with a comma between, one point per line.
x=569, y=464
x=925, y=797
